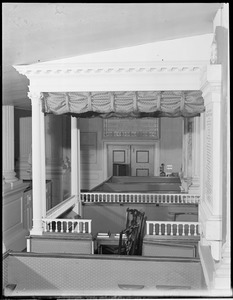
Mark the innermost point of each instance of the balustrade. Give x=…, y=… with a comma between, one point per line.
x=67, y=225
x=172, y=228
x=139, y=198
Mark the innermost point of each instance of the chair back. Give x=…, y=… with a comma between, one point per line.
x=135, y=221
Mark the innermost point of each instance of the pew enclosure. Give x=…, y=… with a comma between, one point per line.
x=99, y=275
x=119, y=90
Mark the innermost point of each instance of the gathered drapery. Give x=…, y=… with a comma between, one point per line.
x=125, y=104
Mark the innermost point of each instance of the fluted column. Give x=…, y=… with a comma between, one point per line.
x=8, y=144
x=38, y=163
x=187, y=154
x=195, y=185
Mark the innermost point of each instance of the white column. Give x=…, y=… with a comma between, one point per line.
x=8, y=145
x=38, y=163
x=75, y=161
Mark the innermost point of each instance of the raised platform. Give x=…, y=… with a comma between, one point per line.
x=134, y=184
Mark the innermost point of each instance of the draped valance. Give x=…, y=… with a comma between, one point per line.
x=125, y=104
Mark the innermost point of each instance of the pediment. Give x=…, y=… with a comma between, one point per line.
x=195, y=48
x=168, y=65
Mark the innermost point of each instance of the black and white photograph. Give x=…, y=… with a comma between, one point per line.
x=116, y=151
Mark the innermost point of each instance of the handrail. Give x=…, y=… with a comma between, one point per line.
x=100, y=197
x=61, y=207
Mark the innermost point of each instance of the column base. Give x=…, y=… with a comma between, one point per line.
x=36, y=232
x=10, y=176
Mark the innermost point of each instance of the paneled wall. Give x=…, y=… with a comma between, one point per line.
x=14, y=218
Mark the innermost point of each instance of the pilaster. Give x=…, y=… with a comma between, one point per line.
x=210, y=208
x=186, y=176
x=195, y=185
x=8, y=146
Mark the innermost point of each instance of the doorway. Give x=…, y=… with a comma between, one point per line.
x=131, y=159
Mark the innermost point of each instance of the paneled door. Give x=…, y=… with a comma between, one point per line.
x=117, y=154
x=139, y=158
x=142, y=160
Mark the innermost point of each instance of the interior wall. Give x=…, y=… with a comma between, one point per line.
x=92, y=164
x=171, y=143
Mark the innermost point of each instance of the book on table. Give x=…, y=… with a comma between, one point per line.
x=103, y=235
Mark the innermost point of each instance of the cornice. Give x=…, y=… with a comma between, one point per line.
x=211, y=77
x=48, y=69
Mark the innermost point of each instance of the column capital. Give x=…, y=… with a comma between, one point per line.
x=211, y=81
x=35, y=95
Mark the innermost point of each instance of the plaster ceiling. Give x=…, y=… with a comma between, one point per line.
x=35, y=32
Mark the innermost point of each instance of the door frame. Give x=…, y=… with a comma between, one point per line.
x=155, y=144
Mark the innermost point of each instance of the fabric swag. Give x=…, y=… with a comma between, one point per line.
x=125, y=104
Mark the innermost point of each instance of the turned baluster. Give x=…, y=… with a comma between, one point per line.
x=165, y=229
x=195, y=229
x=84, y=227
x=67, y=226
x=183, y=228
x=189, y=228
x=62, y=224
x=171, y=229
x=154, y=233
x=72, y=226
x=56, y=229
x=160, y=232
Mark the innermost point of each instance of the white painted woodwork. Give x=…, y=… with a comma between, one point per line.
x=210, y=209
x=75, y=161
x=63, y=225
x=8, y=144
x=131, y=76
x=98, y=197
x=173, y=228
x=60, y=208
x=113, y=76
x=38, y=163
x=196, y=153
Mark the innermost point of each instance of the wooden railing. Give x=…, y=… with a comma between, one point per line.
x=67, y=225
x=173, y=228
x=61, y=207
x=96, y=197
